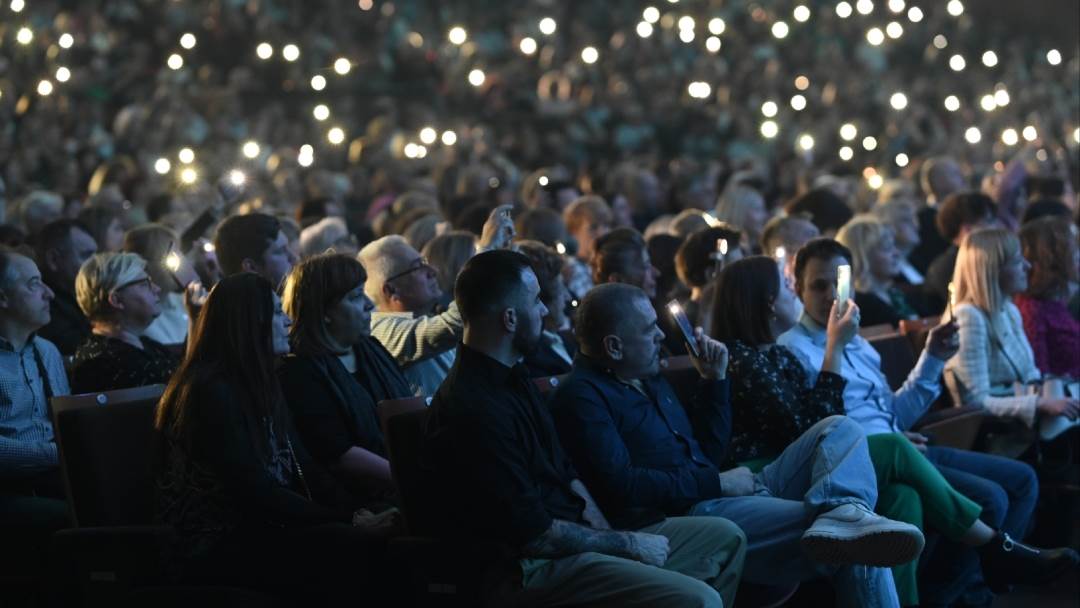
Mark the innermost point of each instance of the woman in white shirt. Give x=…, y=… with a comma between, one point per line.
x=994, y=351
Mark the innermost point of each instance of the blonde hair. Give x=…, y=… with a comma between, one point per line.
x=102, y=274
x=977, y=276
x=862, y=235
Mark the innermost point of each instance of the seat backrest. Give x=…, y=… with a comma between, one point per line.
x=897, y=358
x=547, y=384
x=109, y=452
x=871, y=332
x=388, y=408
x=917, y=330
x=404, y=434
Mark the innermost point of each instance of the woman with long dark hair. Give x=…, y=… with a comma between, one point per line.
x=238, y=488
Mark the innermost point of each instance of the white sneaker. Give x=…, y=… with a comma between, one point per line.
x=852, y=534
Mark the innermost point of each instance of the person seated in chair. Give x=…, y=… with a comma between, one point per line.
x=632, y=441
x=490, y=452
x=557, y=345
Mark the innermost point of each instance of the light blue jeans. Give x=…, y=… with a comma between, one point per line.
x=828, y=466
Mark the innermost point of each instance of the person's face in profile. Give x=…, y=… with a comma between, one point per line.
x=817, y=287
x=530, y=315
x=349, y=319
x=640, y=337
x=277, y=260
x=279, y=328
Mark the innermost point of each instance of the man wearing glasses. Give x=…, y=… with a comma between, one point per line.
x=405, y=289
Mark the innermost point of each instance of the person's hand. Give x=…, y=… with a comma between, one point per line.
x=919, y=440
x=498, y=230
x=194, y=298
x=737, y=482
x=944, y=340
x=713, y=356
x=1070, y=408
x=387, y=523
x=841, y=329
x=651, y=549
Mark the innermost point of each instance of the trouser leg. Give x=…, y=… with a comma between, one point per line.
x=902, y=503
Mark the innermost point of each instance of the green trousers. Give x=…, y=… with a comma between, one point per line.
x=912, y=490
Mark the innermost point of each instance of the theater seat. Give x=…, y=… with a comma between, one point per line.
x=897, y=358
x=917, y=331
x=954, y=427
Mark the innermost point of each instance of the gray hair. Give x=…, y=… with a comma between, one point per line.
x=383, y=258
x=102, y=274
x=322, y=235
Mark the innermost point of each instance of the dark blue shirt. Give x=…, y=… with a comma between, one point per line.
x=637, y=450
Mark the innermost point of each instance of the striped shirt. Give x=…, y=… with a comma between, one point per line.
x=424, y=347
x=27, y=444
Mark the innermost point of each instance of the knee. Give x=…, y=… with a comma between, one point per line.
x=995, y=504
x=695, y=593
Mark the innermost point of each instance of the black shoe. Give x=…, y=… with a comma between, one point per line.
x=1006, y=562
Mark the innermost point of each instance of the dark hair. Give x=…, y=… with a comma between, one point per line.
x=542, y=224
x=546, y=264
x=1044, y=187
x=314, y=286
x=1048, y=243
x=777, y=229
x=232, y=342
x=821, y=248
x=242, y=237
x=97, y=220
x=159, y=206
x=54, y=235
x=695, y=256
x=962, y=209
x=472, y=218
x=1046, y=207
x=827, y=210
x=488, y=282
x=12, y=236
x=662, y=249
x=602, y=312
x=745, y=290
x=617, y=252
x=312, y=210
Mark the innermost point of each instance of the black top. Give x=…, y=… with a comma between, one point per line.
x=544, y=361
x=67, y=327
x=931, y=243
x=106, y=364
x=491, y=451
x=938, y=277
x=875, y=311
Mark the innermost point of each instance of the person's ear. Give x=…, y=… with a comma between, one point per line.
x=613, y=347
x=388, y=291
x=114, y=301
x=249, y=265
x=510, y=320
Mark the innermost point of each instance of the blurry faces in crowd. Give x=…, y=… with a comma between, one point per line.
x=621, y=213
x=817, y=287
x=942, y=176
x=348, y=320
x=1014, y=274
x=884, y=260
x=279, y=328
x=414, y=287
x=275, y=263
x=786, y=308
x=62, y=261
x=24, y=296
x=902, y=217
x=641, y=273
x=137, y=302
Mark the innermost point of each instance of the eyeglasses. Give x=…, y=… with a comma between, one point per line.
x=417, y=264
x=144, y=282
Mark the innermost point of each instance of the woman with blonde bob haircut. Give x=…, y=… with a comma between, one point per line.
x=994, y=352
x=875, y=261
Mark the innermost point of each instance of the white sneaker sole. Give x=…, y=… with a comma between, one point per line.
x=881, y=548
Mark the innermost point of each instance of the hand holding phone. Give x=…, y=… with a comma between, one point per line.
x=683, y=322
x=843, y=288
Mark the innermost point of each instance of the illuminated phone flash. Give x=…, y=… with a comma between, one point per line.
x=237, y=177
x=172, y=261
x=780, y=253
x=560, y=248
x=674, y=308
x=208, y=247
x=721, y=246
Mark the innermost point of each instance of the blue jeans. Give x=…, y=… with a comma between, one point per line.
x=828, y=466
x=1007, y=491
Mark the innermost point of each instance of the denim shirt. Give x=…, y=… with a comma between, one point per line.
x=27, y=444
x=636, y=449
x=867, y=397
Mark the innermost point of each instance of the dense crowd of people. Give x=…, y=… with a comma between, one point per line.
x=193, y=197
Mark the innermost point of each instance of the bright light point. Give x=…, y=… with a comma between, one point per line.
x=162, y=166
x=957, y=63
x=342, y=66
x=428, y=135
x=865, y=7
x=798, y=103
x=769, y=129
x=651, y=14
x=699, y=90
x=875, y=181
x=848, y=131
x=335, y=135
x=801, y=13
x=1009, y=137
x=476, y=77
x=802, y=83
x=264, y=50
x=17, y=6
x=780, y=30
x=686, y=23
x=186, y=156
x=307, y=150
x=806, y=142
x=188, y=40
x=869, y=143
x=915, y=14
x=251, y=149
x=305, y=160
x=955, y=8
x=25, y=35
x=189, y=175
x=411, y=150
x=769, y=108
x=1076, y=135
x=712, y=44
x=897, y=6
x=875, y=36
x=898, y=101
x=952, y=103
x=589, y=54
x=973, y=135
x=548, y=26
x=894, y=30
x=321, y=112
x=457, y=35
x=1030, y=133
x=846, y=153
x=237, y=177
x=988, y=103
x=843, y=10
x=318, y=82
x=44, y=88
x=717, y=26
x=527, y=46
x=448, y=138
x=65, y=41
x=686, y=36
x=62, y=74
x=1001, y=96
x=940, y=42
x=902, y=160
x=1053, y=56
x=990, y=59
x=175, y=62
x=291, y=52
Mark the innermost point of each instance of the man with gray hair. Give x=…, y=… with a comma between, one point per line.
x=405, y=289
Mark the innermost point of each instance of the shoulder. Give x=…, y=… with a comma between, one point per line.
x=580, y=386
x=48, y=350
x=297, y=365
x=969, y=314
x=1011, y=311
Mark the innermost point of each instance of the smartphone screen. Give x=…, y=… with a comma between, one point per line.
x=684, y=325
x=843, y=288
